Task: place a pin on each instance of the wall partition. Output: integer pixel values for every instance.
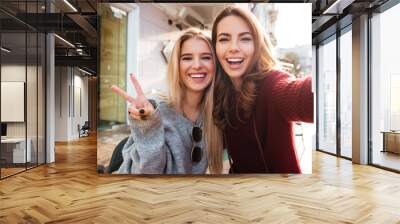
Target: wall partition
(22, 88)
(13, 145)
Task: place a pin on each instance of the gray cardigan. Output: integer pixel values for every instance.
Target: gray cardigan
(162, 144)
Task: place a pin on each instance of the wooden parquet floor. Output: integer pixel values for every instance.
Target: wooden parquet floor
(71, 191)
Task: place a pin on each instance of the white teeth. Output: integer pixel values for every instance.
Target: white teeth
(234, 60)
(198, 75)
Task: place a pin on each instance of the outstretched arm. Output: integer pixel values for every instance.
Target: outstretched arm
(294, 98)
(145, 150)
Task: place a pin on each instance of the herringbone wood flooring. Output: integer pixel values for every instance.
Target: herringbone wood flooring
(71, 191)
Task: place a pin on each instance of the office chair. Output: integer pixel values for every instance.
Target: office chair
(84, 130)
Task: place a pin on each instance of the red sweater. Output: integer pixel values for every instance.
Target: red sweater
(281, 99)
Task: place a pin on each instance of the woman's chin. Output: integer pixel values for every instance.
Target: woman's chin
(197, 88)
(235, 74)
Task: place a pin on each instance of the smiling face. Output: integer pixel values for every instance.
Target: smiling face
(196, 64)
(234, 47)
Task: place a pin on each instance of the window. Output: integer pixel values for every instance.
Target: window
(327, 96)
(346, 94)
(385, 89)
(112, 67)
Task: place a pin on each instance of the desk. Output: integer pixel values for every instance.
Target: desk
(391, 141)
(13, 150)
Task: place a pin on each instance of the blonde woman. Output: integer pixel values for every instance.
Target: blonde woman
(176, 134)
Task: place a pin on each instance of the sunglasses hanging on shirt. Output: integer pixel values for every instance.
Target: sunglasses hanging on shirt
(197, 153)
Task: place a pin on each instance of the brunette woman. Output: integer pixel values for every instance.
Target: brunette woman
(255, 102)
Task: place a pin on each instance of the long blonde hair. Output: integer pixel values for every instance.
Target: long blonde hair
(263, 61)
(212, 134)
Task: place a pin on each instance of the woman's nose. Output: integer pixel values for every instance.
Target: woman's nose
(196, 63)
(233, 47)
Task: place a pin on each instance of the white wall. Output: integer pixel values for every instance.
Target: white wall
(12, 101)
(69, 85)
(79, 117)
(61, 103)
(154, 30)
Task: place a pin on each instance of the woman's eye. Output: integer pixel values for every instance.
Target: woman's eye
(223, 39)
(206, 58)
(246, 39)
(186, 58)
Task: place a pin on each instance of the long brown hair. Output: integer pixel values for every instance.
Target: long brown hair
(227, 98)
(177, 90)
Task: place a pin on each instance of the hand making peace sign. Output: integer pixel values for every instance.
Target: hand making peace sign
(140, 107)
